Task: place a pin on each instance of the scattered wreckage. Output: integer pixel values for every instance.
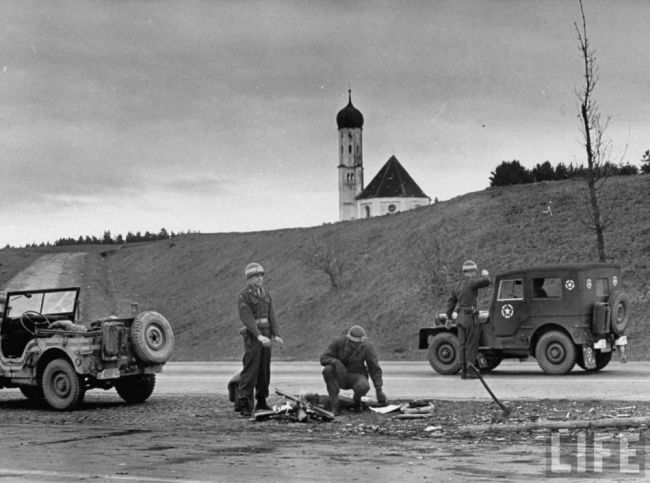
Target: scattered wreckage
(315, 407)
(561, 314)
(53, 359)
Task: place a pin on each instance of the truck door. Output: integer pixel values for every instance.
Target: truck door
(510, 308)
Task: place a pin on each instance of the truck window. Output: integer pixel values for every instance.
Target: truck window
(511, 290)
(601, 286)
(550, 288)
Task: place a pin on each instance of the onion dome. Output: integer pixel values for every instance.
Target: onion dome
(349, 116)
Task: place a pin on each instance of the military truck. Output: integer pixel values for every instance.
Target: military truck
(561, 315)
(53, 359)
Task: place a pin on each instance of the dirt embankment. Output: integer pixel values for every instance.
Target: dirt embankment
(88, 270)
(50, 270)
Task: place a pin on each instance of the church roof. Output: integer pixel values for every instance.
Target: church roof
(392, 181)
(349, 116)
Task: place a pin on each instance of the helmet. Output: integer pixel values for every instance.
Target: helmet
(253, 269)
(357, 334)
(469, 266)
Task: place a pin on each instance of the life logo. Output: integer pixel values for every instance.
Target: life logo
(507, 311)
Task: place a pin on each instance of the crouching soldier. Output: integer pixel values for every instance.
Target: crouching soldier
(347, 362)
(260, 328)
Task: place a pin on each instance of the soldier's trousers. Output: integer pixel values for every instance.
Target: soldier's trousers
(468, 339)
(256, 374)
(334, 382)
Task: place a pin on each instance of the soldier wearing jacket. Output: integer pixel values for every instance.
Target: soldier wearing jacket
(464, 297)
(347, 362)
(260, 328)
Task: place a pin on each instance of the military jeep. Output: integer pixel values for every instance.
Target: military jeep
(561, 315)
(54, 360)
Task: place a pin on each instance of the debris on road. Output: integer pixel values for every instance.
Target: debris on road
(575, 424)
(295, 409)
(417, 407)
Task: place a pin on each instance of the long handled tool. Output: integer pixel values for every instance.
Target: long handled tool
(506, 411)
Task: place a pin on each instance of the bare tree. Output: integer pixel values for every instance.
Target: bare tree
(597, 148)
(434, 256)
(322, 256)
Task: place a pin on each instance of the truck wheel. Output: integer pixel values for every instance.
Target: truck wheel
(619, 305)
(136, 389)
(493, 360)
(555, 352)
(152, 337)
(602, 359)
(33, 393)
(444, 352)
(62, 389)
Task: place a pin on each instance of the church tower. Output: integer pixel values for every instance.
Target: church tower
(350, 125)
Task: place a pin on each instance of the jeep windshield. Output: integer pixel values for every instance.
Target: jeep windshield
(57, 303)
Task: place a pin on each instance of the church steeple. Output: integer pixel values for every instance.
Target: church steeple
(350, 126)
(349, 116)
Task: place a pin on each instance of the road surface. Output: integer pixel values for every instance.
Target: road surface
(416, 379)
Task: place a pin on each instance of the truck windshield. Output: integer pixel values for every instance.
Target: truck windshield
(46, 303)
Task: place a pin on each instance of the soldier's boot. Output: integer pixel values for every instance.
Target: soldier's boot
(470, 373)
(261, 405)
(336, 405)
(357, 405)
(245, 406)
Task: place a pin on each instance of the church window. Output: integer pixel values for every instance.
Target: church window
(350, 148)
(392, 208)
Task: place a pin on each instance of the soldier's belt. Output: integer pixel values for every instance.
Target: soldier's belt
(263, 322)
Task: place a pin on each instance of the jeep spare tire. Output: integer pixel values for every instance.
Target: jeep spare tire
(619, 306)
(152, 337)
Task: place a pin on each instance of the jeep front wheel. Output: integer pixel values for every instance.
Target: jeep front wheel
(136, 389)
(444, 353)
(555, 352)
(152, 337)
(62, 389)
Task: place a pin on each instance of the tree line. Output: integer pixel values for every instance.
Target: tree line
(513, 172)
(108, 239)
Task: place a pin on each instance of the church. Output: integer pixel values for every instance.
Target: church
(390, 191)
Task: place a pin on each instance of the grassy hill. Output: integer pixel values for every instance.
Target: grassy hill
(387, 264)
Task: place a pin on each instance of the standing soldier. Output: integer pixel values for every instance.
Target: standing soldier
(464, 296)
(260, 328)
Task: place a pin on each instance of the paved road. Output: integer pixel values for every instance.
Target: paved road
(415, 379)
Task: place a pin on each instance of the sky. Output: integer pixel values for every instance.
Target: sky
(220, 116)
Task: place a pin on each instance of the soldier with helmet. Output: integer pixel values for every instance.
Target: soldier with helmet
(260, 328)
(347, 362)
(464, 296)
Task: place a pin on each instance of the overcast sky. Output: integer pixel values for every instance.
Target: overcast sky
(219, 116)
